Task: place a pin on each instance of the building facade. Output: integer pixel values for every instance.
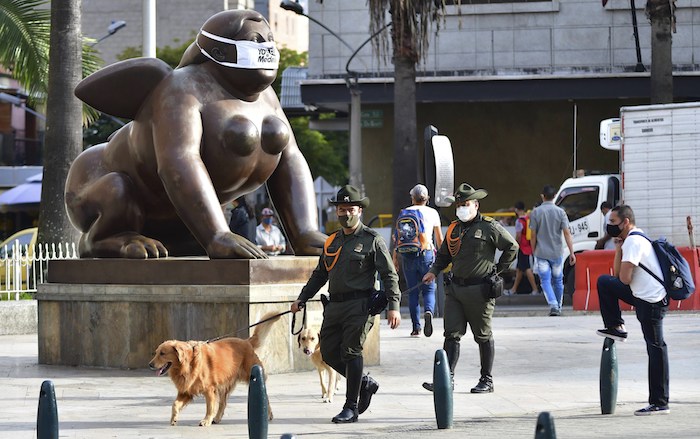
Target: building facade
(520, 88)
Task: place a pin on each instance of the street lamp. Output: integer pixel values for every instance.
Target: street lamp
(351, 79)
(18, 102)
(112, 29)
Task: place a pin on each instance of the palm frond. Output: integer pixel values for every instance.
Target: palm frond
(24, 49)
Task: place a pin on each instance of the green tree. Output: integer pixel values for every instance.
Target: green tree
(321, 155)
(44, 51)
(411, 22)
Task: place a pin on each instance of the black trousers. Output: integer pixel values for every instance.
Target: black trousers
(651, 316)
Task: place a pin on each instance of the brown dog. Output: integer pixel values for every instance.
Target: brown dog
(211, 369)
(309, 343)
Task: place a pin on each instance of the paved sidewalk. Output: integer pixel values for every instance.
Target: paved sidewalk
(542, 364)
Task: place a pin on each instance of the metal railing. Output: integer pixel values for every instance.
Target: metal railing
(23, 268)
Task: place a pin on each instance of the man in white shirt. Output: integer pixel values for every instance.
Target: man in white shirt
(633, 285)
(414, 265)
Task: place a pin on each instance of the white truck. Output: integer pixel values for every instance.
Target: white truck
(659, 176)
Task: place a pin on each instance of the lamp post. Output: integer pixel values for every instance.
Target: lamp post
(351, 79)
(18, 102)
(112, 29)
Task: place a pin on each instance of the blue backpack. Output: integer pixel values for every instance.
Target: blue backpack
(678, 278)
(409, 232)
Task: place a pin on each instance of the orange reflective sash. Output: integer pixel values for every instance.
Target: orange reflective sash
(453, 243)
(333, 255)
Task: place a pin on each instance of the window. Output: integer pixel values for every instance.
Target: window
(578, 202)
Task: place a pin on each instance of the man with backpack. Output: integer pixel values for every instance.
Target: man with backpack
(414, 253)
(632, 284)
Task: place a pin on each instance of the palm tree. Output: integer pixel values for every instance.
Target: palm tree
(64, 136)
(411, 21)
(662, 16)
(43, 48)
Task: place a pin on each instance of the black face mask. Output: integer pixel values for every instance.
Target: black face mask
(613, 230)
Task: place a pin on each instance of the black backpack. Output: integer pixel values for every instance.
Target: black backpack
(678, 278)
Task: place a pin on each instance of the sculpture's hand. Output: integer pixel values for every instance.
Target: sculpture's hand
(228, 245)
(310, 243)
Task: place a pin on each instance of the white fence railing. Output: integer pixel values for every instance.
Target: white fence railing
(23, 268)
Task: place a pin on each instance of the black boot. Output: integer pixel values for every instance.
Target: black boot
(451, 348)
(486, 352)
(353, 375)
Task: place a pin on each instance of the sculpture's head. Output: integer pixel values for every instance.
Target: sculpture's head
(241, 45)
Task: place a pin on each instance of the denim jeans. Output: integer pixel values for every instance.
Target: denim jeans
(414, 266)
(651, 316)
(551, 274)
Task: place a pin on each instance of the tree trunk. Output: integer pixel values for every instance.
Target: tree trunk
(405, 167)
(661, 62)
(63, 141)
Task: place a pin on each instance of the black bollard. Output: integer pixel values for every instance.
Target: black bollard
(545, 427)
(608, 377)
(257, 404)
(288, 436)
(47, 414)
(442, 390)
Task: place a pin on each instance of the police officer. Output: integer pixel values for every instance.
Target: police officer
(470, 245)
(351, 258)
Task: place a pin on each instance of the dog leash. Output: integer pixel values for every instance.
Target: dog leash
(294, 318)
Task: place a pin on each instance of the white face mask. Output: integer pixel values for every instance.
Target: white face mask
(466, 213)
(250, 55)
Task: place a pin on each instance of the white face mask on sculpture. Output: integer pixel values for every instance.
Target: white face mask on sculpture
(250, 55)
(466, 213)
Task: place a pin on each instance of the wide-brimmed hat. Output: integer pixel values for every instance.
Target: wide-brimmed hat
(465, 192)
(350, 195)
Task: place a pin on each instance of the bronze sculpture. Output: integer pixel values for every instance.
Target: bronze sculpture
(202, 135)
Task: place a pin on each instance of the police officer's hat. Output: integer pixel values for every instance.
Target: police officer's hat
(350, 195)
(465, 192)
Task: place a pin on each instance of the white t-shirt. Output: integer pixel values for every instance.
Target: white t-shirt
(610, 243)
(431, 219)
(635, 250)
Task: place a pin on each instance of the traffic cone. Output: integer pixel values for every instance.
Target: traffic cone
(442, 390)
(47, 414)
(257, 404)
(545, 427)
(608, 377)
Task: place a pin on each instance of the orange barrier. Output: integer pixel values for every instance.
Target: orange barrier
(594, 263)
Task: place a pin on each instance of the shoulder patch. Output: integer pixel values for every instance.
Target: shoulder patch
(487, 218)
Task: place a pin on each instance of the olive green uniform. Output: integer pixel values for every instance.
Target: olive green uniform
(351, 276)
(466, 300)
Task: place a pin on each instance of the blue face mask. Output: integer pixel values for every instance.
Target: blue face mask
(267, 220)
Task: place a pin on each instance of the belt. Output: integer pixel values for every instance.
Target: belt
(351, 295)
(462, 282)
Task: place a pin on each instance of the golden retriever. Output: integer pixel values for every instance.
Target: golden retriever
(211, 369)
(309, 343)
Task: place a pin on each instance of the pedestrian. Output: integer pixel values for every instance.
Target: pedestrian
(268, 236)
(633, 285)
(522, 225)
(350, 261)
(415, 261)
(470, 245)
(242, 219)
(606, 242)
(548, 222)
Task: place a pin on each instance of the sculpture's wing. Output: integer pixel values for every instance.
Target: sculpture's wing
(121, 88)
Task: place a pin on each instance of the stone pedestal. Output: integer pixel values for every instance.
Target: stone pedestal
(115, 312)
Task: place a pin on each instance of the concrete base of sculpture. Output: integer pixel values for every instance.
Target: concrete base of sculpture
(115, 312)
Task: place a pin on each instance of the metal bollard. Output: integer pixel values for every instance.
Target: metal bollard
(47, 414)
(608, 377)
(442, 390)
(257, 404)
(545, 427)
